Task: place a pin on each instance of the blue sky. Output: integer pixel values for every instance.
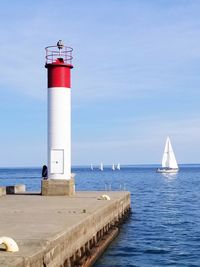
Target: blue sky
(136, 79)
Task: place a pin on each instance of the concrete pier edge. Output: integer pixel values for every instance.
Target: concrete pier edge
(61, 231)
(104, 242)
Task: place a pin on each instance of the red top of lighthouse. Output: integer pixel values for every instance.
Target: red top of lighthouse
(59, 62)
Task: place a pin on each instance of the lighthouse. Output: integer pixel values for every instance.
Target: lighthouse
(59, 65)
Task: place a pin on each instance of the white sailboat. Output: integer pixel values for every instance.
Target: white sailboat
(91, 167)
(101, 167)
(113, 167)
(118, 167)
(169, 163)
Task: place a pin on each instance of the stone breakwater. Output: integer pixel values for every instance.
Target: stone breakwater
(59, 230)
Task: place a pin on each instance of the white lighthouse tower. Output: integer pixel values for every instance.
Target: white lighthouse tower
(59, 65)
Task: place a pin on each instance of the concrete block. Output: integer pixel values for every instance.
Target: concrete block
(2, 191)
(58, 187)
(14, 189)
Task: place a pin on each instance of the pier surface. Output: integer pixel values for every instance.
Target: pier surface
(56, 231)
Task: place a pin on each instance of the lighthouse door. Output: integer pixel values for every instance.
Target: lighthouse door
(57, 161)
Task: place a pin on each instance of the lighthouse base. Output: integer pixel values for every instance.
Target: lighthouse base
(58, 187)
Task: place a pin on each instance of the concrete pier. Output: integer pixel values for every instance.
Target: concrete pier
(60, 231)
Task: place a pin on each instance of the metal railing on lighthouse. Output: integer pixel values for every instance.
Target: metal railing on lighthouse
(59, 51)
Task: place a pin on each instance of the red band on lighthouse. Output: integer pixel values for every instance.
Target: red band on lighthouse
(59, 74)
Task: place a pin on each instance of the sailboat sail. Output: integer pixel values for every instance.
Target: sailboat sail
(101, 167)
(91, 167)
(169, 160)
(113, 167)
(118, 166)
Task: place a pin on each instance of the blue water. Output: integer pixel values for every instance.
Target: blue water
(164, 228)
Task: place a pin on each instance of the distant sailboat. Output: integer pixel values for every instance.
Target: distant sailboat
(118, 167)
(91, 167)
(169, 164)
(113, 167)
(101, 167)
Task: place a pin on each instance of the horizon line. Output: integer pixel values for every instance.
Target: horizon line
(88, 165)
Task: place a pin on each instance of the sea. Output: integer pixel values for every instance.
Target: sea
(164, 226)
